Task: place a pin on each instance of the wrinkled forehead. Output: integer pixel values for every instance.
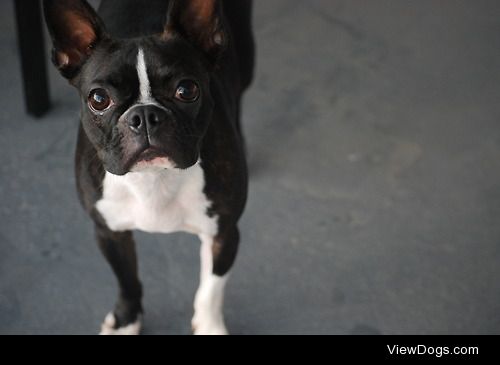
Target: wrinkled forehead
(121, 63)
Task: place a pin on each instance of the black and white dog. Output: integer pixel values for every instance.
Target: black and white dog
(159, 147)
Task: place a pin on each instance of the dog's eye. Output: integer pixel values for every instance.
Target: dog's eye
(99, 100)
(187, 91)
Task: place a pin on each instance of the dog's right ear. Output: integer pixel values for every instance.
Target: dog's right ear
(75, 29)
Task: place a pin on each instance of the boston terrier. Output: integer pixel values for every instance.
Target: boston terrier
(159, 147)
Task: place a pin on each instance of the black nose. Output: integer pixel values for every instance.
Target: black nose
(146, 117)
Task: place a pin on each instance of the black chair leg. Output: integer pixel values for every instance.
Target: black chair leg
(32, 49)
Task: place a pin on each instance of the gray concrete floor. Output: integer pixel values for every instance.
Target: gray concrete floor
(374, 139)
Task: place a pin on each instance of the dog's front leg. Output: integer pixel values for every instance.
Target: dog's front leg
(217, 257)
(119, 250)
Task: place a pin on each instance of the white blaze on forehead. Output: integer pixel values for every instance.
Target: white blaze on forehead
(145, 95)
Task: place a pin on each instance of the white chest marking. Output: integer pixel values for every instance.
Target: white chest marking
(157, 201)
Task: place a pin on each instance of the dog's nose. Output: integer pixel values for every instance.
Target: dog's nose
(146, 117)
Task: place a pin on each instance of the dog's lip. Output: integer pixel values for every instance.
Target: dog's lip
(145, 155)
(150, 154)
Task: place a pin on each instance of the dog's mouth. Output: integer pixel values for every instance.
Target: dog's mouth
(150, 154)
(151, 157)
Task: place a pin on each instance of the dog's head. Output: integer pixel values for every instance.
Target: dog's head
(145, 101)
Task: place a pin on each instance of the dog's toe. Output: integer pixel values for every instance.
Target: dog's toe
(208, 326)
(108, 327)
(211, 330)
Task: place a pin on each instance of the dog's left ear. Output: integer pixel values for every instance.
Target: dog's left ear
(75, 29)
(200, 22)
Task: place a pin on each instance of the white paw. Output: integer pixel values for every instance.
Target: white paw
(107, 328)
(206, 325)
